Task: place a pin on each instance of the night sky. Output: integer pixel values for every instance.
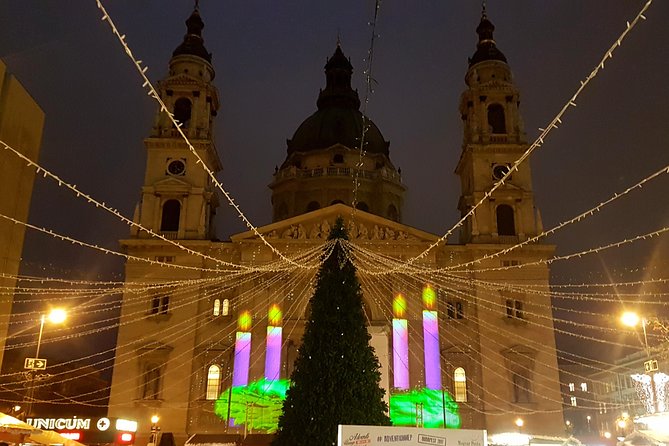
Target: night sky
(269, 59)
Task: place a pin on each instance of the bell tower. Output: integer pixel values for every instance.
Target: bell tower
(494, 137)
(178, 197)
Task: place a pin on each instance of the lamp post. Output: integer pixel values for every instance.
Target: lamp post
(519, 423)
(154, 430)
(443, 405)
(621, 424)
(230, 363)
(56, 316)
(632, 319)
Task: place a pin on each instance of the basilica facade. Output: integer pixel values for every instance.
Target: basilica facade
(210, 329)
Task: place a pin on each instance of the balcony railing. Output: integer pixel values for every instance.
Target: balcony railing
(294, 172)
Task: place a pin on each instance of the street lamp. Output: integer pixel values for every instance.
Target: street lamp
(632, 319)
(55, 316)
(622, 424)
(154, 429)
(519, 423)
(568, 427)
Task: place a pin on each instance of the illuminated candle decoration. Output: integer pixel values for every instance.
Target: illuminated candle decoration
(399, 306)
(431, 340)
(400, 344)
(245, 321)
(274, 341)
(429, 298)
(240, 375)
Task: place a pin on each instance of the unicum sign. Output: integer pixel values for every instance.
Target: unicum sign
(60, 423)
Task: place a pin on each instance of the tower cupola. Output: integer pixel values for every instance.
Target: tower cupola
(486, 49)
(193, 43)
(338, 91)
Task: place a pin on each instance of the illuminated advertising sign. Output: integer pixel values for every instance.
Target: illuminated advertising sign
(408, 436)
(90, 430)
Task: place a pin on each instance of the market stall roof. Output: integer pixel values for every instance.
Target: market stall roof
(214, 440)
(645, 438)
(519, 439)
(229, 440)
(34, 436)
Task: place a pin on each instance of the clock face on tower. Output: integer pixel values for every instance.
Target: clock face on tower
(176, 167)
(499, 170)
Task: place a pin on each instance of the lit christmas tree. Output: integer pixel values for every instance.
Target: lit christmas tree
(336, 376)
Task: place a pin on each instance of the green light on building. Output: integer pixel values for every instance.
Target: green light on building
(257, 405)
(429, 405)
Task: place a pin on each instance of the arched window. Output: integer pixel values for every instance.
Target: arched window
(338, 158)
(336, 202)
(460, 385)
(182, 111)
(392, 213)
(362, 206)
(213, 382)
(505, 221)
(171, 214)
(221, 307)
(312, 206)
(496, 120)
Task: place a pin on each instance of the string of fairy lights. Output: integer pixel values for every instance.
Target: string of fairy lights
(541, 138)
(378, 268)
(178, 126)
(365, 121)
(186, 330)
(580, 217)
(293, 275)
(370, 293)
(473, 361)
(183, 329)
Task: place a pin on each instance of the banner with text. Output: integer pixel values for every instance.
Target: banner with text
(408, 436)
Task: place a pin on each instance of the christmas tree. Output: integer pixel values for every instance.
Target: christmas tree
(336, 376)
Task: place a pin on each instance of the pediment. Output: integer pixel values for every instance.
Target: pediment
(171, 183)
(519, 350)
(155, 346)
(182, 79)
(315, 225)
